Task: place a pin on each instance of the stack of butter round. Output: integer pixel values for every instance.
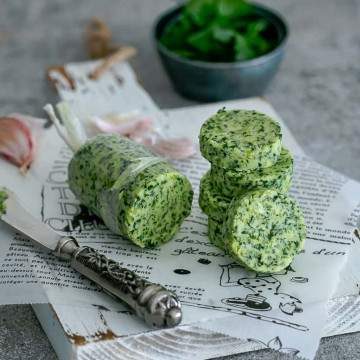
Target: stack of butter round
(244, 193)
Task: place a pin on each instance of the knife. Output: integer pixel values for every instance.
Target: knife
(159, 307)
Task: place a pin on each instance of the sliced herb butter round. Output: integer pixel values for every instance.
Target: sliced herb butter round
(138, 196)
(240, 140)
(215, 233)
(277, 176)
(211, 201)
(264, 230)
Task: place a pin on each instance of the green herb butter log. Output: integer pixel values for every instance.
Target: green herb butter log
(277, 176)
(211, 201)
(138, 195)
(264, 230)
(240, 140)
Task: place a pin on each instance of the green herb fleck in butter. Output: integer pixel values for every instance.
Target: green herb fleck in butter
(3, 197)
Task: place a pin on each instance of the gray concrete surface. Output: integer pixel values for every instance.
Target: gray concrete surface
(317, 93)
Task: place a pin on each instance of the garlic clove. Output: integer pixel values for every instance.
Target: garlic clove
(174, 148)
(126, 125)
(17, 140)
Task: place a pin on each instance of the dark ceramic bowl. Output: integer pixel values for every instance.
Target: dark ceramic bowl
(211, 81)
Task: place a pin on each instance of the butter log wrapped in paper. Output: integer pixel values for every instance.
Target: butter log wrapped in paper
(138, 195)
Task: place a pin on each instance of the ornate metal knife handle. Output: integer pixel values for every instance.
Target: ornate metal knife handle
(158, 306)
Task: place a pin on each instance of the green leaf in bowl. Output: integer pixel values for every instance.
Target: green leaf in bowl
(176, 32)
(242, 49)
(223, 35)
(233, 8)
(201, 12)
(202, 40)
(255, 38)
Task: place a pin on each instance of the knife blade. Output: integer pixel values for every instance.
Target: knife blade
(20, 219)
(152, 302)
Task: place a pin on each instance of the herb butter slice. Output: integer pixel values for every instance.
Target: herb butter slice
(211, 201)
(240, 140)
(264, 230)
(215, 233)
(277, 176)
(136, 194)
